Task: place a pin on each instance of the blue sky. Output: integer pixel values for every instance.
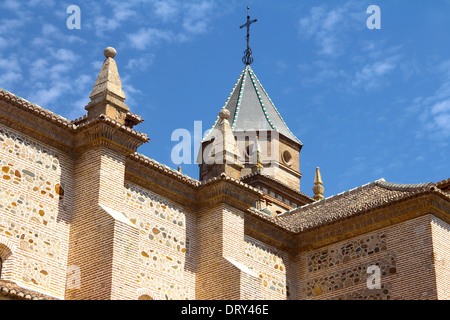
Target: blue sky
(367, 104)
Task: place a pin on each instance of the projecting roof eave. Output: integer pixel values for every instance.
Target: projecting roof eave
(443, 184)
(16, 292)
(353, 202)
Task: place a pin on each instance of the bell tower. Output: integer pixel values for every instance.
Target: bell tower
(262, 152)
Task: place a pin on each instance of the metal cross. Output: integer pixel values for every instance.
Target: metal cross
(248, 59)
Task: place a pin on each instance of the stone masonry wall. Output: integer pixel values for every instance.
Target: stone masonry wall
(270, 266)
(165, 259)
(35, 206)
(403, 253)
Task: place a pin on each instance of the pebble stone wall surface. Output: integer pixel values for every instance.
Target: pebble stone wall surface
(31, 198)
(163, 244)
(269, 264)
(352, 259)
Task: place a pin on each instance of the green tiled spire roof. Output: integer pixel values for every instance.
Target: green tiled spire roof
(252, 109)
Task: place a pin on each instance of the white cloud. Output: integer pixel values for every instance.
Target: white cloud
(140, 63)
(41, 3)
(328, 26)
(166, 9)
(441, 107)
(9, 79)
(440, 117)
(52, 35)
(149, 37)
(11, 5)
(11, 72)
(369, 76)
(97, 65)
(44, 97)
(197, 16)
(130, 91)
(64, 55)
(434, 113)
(121, 12)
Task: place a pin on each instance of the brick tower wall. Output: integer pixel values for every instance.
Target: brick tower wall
(91, 243)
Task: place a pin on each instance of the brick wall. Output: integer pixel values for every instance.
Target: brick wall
(441, 254)
(63, 218)
(403, 252)
(165, 266)
(35, 210)
(91, 239)
(270, 265)
(222, 273)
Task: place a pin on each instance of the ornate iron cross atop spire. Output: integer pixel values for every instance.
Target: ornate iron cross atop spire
(248, 59)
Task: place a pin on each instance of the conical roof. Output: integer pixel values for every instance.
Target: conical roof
(251, 108)
(108, 80)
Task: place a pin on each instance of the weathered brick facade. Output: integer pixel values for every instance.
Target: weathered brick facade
(84, 216)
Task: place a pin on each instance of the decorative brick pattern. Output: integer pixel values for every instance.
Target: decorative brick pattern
(348, 277)
(154, 204)
(32, 212)
(346, 252)
(384, 293)
(31, 240)
(269, 266)
(167, 290)
(35, 274)
(161, 262)
(20, 147)
(32, 181)
(163, 243)
(162, 235)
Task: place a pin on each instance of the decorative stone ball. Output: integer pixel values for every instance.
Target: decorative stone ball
(110, 52)
(224, 114)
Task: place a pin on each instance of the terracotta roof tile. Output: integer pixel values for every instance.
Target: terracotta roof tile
(11, 289)
(349, 203)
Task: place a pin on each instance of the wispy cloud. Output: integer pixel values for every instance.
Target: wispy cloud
(121, 12)
(197, 16)
(372, 75)
(434, 111)
(192, 19)
(11, 71)
(54, 73)
(327, 26)
(345, 58)
(145, 38)
(167, 10)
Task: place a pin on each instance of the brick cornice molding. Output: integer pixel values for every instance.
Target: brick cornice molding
(151, 179)
(56, 136)
(225, 190)
(269, 234)
(101, 133)
(58, 132)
